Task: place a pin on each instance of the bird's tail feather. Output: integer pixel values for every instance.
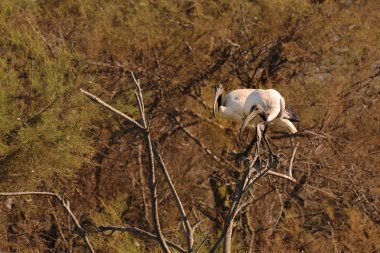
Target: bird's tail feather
(289, 125)
(291, 114)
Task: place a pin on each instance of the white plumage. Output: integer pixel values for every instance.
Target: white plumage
(231, 106)
(254, 106)
(268, 107)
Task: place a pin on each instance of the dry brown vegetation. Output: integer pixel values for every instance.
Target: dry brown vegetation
(323, 56)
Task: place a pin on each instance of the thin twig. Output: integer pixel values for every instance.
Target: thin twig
(202, 243)
(189, 231)
(139, 232)
(251, 249)
(192, 136)
(292, 159)
(151, 168)
(200, 101)
(35, 29)
(80, 231)
(203, 118)
(142, 184)
(273, 173)
(335, 246)
(282, 208)
(228, 240)
(247, 181)
(59, 227)
(144, 130)
(98, 100)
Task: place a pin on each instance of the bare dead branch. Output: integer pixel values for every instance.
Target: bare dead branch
(144, 130)
(192, 136)
(174, 129)
(139, 232)
(276, 174)
(142, 184)
(333, 239)
(225, 53)
(282, 207)
(98, 100)
(59, 227)
(11, 135)
(203, 118)
(292, 159)
(36, 30)
(80, 231)
(189, 231)
(201, 102)
(251, 247)
(202, 243)
(228, 240)
(151, 168)
(370, 209)
(252, 174)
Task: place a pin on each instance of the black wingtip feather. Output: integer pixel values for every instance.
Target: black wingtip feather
(293, 117)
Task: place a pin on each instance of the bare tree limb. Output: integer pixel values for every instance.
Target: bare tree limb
(202, 243)
(142, 184)
(80, 231)
(151, 168)
(203, 118)
(228, 240)
(189, 231)
(292, 160)
(98, 100)
(273, 173)
(139, 232)
(252, 174)
(204, 148)
(333, 239)
(144, 130)
(35, 29)
(59, 227)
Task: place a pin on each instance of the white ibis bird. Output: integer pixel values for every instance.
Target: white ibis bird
(270, 106)
(256, 108)
(267, 107)
(231, 106)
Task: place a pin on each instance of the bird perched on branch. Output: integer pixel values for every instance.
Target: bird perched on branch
(270, 106)
(256, 108)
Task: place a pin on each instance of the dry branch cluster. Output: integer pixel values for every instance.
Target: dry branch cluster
(321, 55)
(254, 170)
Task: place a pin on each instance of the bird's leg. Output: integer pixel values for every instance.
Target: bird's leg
(255, 142)
(266, 139)
(258, 139)
(271, 154)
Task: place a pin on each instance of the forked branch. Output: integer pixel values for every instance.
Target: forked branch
(252, 174)
(148, 145)
(153, 154)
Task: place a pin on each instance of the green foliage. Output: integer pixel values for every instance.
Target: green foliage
(44, 118)
(117, 242)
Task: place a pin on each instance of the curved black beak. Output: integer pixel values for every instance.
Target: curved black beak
(246, 121)
(217, 98)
